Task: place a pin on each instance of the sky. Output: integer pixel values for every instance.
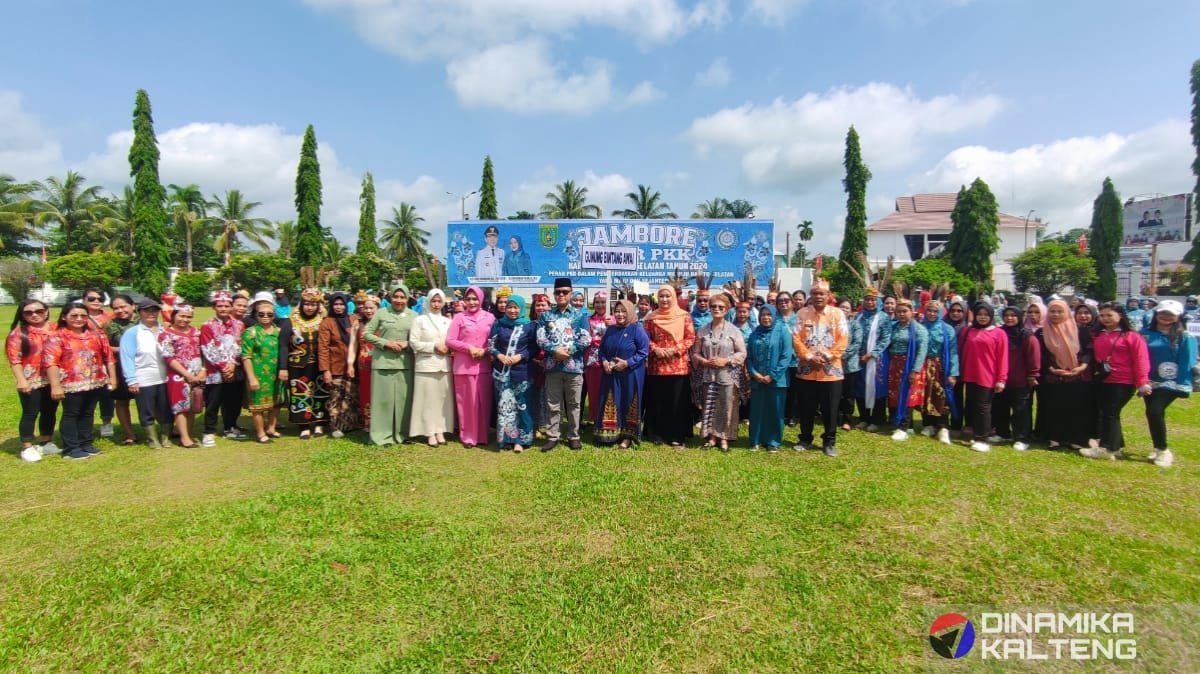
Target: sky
(695, 98)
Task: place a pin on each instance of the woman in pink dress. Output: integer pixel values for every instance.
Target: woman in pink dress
(467, 339)
(180, 344)
(593, 373)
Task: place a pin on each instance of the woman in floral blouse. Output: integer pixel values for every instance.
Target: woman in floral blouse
(185, 379)
(31, 328)
(79, 365)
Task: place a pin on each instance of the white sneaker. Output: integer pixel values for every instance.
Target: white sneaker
(900, 435)
(235, 434)
(871, 428)
(1097, 453)
(106, 430)
(928, 431)
(209, 440)
(336, 434)
(995, 439)
(978, 446)
(1020, 446)
(50, 448)
(31, 454)
(1153, 455)
(943, 436)
(1164, 459)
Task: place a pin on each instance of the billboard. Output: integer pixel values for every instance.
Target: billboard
(1158, 220)
(532, 253)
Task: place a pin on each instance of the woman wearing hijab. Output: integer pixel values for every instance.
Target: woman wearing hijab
(1122, 369)
(298, 344)
(1035, 315)
(668, 393)
(541, 303)
(1087, 318)
(872, 385)
(579, 302)
(941, 374)
(958, 317)
(1011, 412)
(467, 338)
(622, 353)
(337, 344)
(768, 355)
(598, 320)
(907, 350)
(718, 354)
(787, 316)
(1065, 391)
(391, 369)
(511, 344)
(984, 356)
(516, 261)
(433, 387)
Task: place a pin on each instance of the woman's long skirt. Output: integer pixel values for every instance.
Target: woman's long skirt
(1069, 412)
(766, 415)
(364, 390)
(473, 400)
(592, 377)
(307, 397)
(343, 405)
(620, 410)
(514, 423)
(669, 409)
(433, 404)
(718, 411)
(390, 406)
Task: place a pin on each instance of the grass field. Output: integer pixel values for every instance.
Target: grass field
(331, 555)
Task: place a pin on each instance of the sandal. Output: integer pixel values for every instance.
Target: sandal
(305, 434)
(275, 434)
(318, 431)
(264, 439)
(724, 445)
(190, 445)
(624, 444)
(128, 441)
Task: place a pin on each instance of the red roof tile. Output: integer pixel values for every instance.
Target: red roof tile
(926, 212)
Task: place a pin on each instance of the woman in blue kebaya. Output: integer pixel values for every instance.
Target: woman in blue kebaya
(768, 356)
(512, 343)
(517, 262)
(941, 374)
(622, 353)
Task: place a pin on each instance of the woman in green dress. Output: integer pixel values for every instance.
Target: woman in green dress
(391, 369)
(260, 357)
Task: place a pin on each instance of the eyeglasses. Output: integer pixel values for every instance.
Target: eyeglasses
(562, 292)
(93, 299)
(77, 317)
(32, 312)
(262, 315)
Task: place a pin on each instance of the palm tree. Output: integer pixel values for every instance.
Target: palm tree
(402, 237)
(72, 207)
(805, 230)
(646, 205)
(332, 252)
(115, 232)
(712, 210)
(284, 233)
(233, 215)
(16, 216)
(568, 202)
(740, 209)
(188, 211)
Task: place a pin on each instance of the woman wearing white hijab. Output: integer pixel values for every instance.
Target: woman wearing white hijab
(433, 391)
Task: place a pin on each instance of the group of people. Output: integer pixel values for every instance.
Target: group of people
(655, 368)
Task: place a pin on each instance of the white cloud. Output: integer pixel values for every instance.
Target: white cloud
(775, 11)
(1061, 179)
(716, 75)
(606, 191)
(28, 150)
(521, 77)
(799, 144)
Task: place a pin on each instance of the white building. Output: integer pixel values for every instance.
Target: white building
(921, 224)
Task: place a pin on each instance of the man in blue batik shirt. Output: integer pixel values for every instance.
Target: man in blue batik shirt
(563, 334)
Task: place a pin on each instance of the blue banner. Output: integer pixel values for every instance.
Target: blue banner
(532, 253)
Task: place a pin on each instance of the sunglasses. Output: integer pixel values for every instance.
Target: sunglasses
(93, 299)
(562, 292)
(32, 312)
(265, 315)
(77, 317)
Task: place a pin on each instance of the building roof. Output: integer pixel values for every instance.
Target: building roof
(931, 212)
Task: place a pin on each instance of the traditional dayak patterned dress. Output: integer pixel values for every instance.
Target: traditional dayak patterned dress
(514, 422)
(184, 348)
(298, 355)
(716, 389)
(260, 348)
(620, 408)
(908, 347)
(362, 372)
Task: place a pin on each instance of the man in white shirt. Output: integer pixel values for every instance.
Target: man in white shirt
(146, 374)
(489, 261)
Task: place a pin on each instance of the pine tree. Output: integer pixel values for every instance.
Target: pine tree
(854, 240)
(309, 235)
(1104, 240)
(1196, 123)
(150, 242)
(367, 238)
(975, 235)
(487, 193)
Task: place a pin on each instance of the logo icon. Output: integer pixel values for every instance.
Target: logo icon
(726, 239)
(548, 235)
(952, 635)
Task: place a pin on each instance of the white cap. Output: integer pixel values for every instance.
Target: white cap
(1170, 306)
(263, 296)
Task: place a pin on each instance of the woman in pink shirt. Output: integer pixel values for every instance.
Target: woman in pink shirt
(1120, 366)
(467, 339)
(984, 364)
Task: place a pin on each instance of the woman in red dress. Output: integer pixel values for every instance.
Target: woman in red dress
(185, 371)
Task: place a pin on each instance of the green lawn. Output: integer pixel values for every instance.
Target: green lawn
(331, 555)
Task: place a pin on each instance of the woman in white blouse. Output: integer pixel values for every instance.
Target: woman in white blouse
(433, 393)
